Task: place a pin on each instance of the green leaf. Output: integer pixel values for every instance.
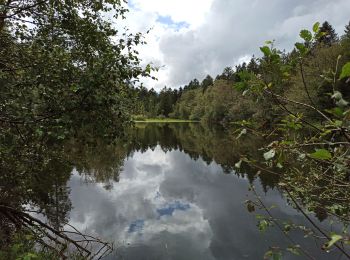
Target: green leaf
(273, 254)
(245, 92)
(263, 224)
(345, 73)
(301, 47)
(30, 256)
(321, 154)
(39, 132)
(238, 164)
(306, 35)
(250, 206)
(337, 95)
(338, 123)
(268, 255)
(266, 50)
(270, 154)
(337, 112)
(287, 228)
(342, 103)
(334, 239)
(74, 88)
(148, 68)
(294, 249)
(316, 27)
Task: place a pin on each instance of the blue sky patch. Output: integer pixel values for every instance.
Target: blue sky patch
(131, 5)
(136, 226)
(168, 21)
(169, 209)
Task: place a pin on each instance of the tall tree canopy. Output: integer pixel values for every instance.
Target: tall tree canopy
(63, 63)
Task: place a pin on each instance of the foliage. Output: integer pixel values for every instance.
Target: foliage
(152, 104)
(63, 63)
(310, 144)
(138, 117)
(218, 104)
(347, 31)
(328, 35)
(23, 248)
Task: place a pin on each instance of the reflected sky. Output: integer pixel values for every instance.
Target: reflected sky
(169, 206)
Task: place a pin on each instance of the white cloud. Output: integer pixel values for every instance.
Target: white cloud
(136, 198)
(221, 33)
(213, 222)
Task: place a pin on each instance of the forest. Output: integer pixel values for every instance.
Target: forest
(220, 100)
(70, 78)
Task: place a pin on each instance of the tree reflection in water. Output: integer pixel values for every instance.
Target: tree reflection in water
(38, 178)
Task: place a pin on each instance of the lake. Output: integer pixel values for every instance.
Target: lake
(171, 191)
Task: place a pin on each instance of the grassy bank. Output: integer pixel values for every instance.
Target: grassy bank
(164, 120)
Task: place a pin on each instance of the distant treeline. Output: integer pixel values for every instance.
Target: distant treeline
(220, 100)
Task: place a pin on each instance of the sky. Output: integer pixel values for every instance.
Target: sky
(192, 38)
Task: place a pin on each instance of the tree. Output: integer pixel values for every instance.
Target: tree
(298, 132)
(241, 67)
(62, 65)
(253, 66)
(330, 36)
(167, 99)
(227, 74)
(65, 71)
(194, 84)
(208, 81)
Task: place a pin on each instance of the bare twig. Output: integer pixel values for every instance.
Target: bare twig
(304, 83)
(35, 225)
(279, 226)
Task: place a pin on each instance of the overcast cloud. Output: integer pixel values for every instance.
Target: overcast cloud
(192, 38)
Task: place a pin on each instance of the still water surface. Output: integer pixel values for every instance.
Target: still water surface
(171, 192)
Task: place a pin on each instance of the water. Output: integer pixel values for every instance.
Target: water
(172, 192)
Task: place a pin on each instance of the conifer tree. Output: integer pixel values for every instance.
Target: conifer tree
(347, 31)
(330, 36)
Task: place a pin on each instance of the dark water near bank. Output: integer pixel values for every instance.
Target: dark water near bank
(172, 192)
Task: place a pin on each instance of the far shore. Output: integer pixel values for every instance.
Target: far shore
(165, 120)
